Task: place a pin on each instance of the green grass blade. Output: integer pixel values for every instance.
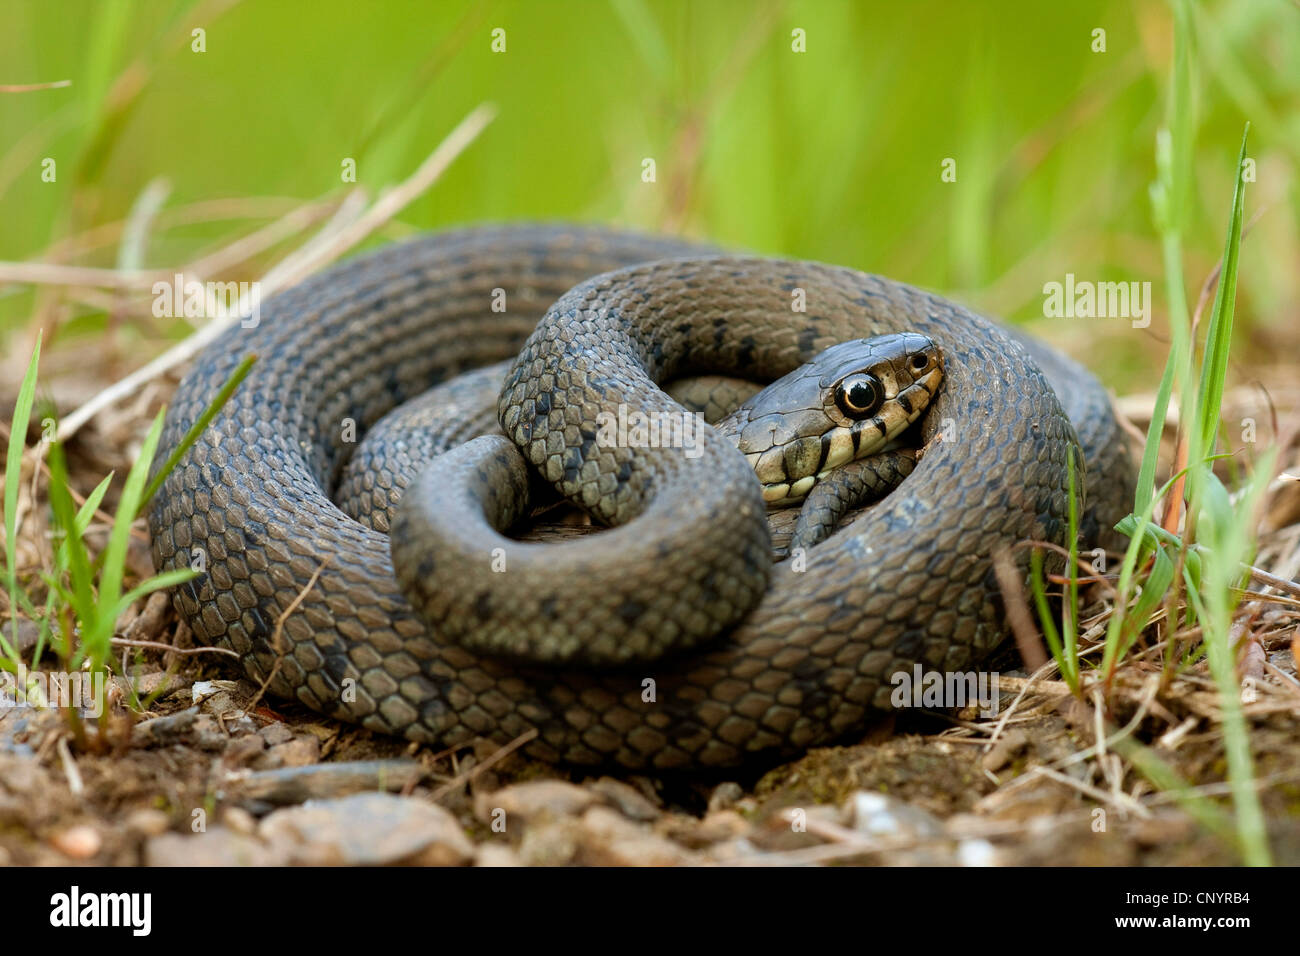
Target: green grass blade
(13, 478)
(1151, 450)
(119, 539)
(1229, 534)
(197, 429)
(86, 513)
(1069, 613)
(81, 595)
(1218, 340)
(158, 582)
(1045, 617)
(644, 33)
(1180, 118)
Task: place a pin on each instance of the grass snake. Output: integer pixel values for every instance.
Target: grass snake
(801, 656)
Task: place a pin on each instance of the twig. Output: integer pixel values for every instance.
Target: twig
(177, 354)
(330, 244)
(200, 212)
(135, 235)
(1047, 667)
(496, 758)
(70, 770)
(278, 633)
(1153, 685)
(258, 241)
(158, 645)
(52, 273)
(1017, 610)
(1121, 801)
(33, 87)
(1261, 576)
(390, 203)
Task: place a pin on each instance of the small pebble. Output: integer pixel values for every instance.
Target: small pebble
(218, 846)
(880, 815)
(523, 801)
(495, 854)
(148, 821)
(368, 829)
(290, 785)
(276, 733)
(79, 842)
(724, 796)
(239, 820)
(977, 853)
(626, 799)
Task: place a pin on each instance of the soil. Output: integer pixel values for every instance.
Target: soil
(190, 765)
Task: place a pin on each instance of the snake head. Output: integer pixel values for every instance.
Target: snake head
(848, 402)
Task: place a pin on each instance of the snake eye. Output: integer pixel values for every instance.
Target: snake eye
(859, 395)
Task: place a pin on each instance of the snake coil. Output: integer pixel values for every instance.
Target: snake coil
(909, 582)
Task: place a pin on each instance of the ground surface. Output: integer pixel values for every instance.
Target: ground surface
(201, 771)
(218, 783)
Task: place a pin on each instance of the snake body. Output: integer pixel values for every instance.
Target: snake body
(909, 582)
(690, 554)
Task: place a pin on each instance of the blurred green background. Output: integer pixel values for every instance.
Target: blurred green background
(833, 154)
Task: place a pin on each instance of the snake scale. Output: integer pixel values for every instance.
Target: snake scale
(909, 581)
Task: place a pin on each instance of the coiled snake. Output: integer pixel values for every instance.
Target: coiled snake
(908, 581)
